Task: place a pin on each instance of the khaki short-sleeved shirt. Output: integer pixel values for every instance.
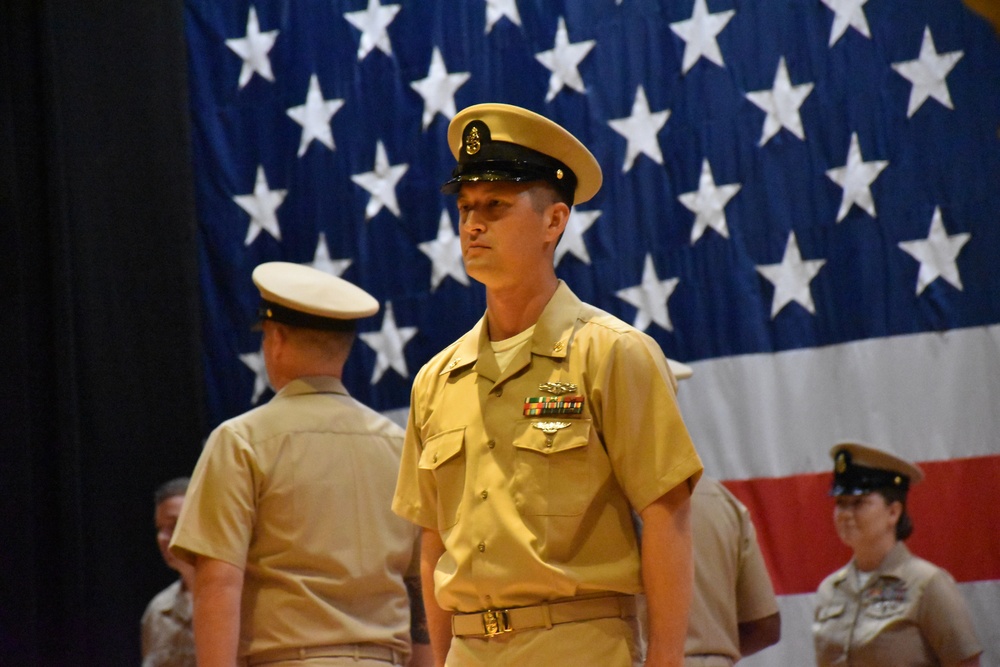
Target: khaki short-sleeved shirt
(533, 497)
(731, 582)
(298, 492)
(909, 614)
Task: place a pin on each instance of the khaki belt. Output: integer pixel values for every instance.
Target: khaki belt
(493, 622)
(356, 651)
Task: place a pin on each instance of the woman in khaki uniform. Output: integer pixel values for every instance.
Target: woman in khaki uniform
(886, 608)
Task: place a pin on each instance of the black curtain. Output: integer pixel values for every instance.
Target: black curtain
(100, 380)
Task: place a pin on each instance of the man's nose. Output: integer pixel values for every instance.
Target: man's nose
(472, 221)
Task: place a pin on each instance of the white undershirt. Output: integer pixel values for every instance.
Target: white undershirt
(863, 577)
(505, 350)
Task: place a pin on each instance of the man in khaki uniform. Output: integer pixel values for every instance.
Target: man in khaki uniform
(298, 559)
(886, 606)
(533, 438)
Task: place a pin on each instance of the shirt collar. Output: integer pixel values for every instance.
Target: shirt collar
(891, 566)
(552, 337)
(316, 384)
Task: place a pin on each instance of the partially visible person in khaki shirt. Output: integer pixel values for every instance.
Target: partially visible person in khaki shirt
(167, 637)
(734, 612)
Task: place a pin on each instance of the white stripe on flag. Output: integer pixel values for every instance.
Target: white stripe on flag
(926, 397)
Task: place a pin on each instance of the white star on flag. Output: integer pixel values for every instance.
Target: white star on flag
(572, 238)
(253, 50)
(791, 278)
(937, 254)
(322, 261)
(255, 362)
(497, 9)
(650, 298)
(847, 13)
(381, 183)
(699, 34)
(445, 253)
(373, 23)
(562, 60)
(314, 117)
(388, 344)
(640, 130)
(438, 89)
(709, 203)
(782, 104)
(856, 178)
(928, 74)
(261, 205)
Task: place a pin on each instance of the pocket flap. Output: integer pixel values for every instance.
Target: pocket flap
(551, 436)
(829, 611)
(441, 448)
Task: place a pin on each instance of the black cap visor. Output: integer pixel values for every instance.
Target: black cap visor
(503, 161)
(858, 480)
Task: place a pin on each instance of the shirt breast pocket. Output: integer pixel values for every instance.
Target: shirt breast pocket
(552, 468)
(443, 458)
(885, 610)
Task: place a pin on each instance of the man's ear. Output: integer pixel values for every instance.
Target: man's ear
(281, 333)
(558, 219)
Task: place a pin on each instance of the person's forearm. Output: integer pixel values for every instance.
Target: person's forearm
(667, 575)
(438, 619)
(969, 662)
(218, 587)
(757, 635)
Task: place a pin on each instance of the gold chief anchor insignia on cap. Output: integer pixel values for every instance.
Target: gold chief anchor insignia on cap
(472, 144)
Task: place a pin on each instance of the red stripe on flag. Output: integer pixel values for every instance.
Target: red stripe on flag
(955, 513)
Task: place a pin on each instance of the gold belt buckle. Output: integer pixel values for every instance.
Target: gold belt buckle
(496, 622)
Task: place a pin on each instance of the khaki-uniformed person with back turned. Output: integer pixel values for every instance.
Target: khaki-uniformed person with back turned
(533, 437)
(734, 612)
(887, 607)
(298, 557)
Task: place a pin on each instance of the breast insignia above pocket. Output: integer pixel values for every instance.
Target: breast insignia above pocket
(549, 428)
(557, 388)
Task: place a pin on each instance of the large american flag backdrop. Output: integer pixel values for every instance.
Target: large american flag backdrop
(801, 200)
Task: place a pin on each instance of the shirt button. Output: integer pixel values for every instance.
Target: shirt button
(482, 547)
(498, 392)
(491, 444)
(484, 494)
